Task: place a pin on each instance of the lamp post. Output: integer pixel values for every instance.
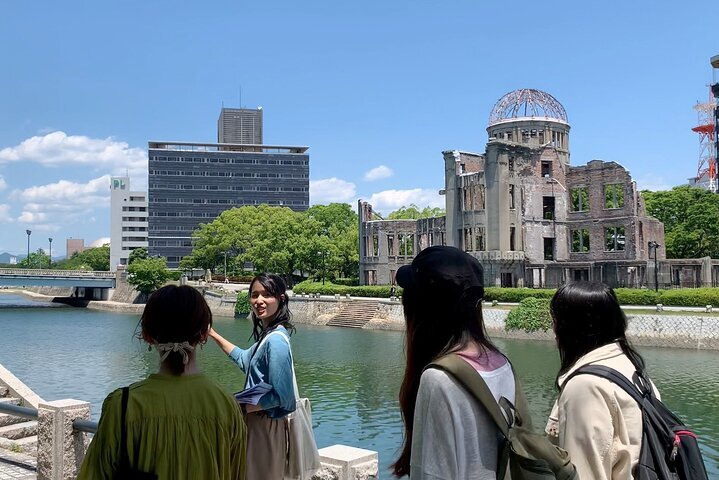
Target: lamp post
(653, 246)
(322, 253)
(49, 257)
(28, 246)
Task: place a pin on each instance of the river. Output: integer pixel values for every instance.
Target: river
(352, 376)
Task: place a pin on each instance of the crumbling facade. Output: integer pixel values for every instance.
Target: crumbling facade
(528, 216)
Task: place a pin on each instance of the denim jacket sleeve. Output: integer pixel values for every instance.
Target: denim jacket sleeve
(277, 361)
(242, 357)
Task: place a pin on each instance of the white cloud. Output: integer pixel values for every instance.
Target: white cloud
(3, 183)
(64, 194)
(5, 213)
(48, 207)
(329, 190)
(390, 200)
(378, 173)
(100, 242)
(32, 217)
(59, 149)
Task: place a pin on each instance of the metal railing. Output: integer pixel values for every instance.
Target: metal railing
(56, 273)
(79, 425)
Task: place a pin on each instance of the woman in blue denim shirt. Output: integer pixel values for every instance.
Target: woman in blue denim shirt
(268, 360)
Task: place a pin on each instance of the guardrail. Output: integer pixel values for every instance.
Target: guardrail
(78, 424)
(56, 273)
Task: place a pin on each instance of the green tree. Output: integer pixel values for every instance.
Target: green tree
(412, 212)
(137, 254)
(147, 275)
(36, 260)
(689, 214)
(97, 259)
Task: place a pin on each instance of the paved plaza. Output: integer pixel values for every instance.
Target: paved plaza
(17, 466)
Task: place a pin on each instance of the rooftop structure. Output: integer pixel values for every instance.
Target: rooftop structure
(240, 125)
(527, 103)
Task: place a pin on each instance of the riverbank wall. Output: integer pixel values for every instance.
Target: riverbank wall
(694, 331)
(667, 330)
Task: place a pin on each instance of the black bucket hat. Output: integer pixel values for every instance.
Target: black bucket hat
(443, 269)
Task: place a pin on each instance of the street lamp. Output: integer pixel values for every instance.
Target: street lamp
(28, 247)
(49, 260)
(653, 246)
(323, 266)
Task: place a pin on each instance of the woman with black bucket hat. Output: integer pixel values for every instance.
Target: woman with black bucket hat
(447, 434)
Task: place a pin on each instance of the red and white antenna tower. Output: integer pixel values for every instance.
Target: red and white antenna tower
(707, 169)
(708, 130)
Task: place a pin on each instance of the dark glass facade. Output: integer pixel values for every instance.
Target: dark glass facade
(191, 184)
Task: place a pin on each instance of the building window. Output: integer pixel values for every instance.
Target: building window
(546, 169)
(510, 136)
(614, 238)
(390, 245)
(580, 199)
(467, 239)
(549, 248)
(512, 241)
(370, 277)
(613, 195)
(580, 240)
(510, 163)
(511, 197)
(392, 274)
(375, 245)
(406, 244)
(548, 208)
(479, 239)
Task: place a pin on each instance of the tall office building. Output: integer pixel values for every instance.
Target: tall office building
(128, 221)
(192, 183)
(240, 125)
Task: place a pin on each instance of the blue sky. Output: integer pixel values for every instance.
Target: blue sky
(376, 89)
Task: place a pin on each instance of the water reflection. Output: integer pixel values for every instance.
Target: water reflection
(351, 376)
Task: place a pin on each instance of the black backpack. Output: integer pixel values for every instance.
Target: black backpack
(669, 451)
(523, 454)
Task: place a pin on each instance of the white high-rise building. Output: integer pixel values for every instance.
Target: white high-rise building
(128, 221)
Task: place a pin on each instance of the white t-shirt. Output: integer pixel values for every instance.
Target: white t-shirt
(453, 437)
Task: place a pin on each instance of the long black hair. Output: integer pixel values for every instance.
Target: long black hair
(586, 316)
(275, 286)
(438, 322)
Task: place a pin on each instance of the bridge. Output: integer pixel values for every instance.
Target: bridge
(17, 277)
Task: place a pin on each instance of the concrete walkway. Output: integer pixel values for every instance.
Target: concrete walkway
(17, 466)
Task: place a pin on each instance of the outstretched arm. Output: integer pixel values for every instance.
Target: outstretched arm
(221, 341)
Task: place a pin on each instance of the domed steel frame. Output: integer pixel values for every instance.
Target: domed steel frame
(527, 103)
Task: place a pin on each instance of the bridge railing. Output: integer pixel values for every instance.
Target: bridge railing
(26, 272)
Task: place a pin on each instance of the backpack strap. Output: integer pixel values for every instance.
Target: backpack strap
(474, 384)
(613, 376)
(124, 457)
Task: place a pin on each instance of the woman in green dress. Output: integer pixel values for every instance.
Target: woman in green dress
(179, 424)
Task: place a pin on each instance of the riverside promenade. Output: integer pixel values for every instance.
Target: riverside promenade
(17, 466)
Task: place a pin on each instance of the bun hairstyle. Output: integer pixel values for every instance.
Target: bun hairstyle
(176, 314)
(275, 286)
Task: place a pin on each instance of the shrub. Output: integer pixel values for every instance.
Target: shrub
(349, 282)
(174, 275)
(515, 295)
(242, 305)
(636, 296)
(690, 297)
(530, 315)
(380, 291)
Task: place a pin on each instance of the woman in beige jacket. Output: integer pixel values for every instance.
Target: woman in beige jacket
(598, 423)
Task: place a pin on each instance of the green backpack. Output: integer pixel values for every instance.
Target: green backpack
(524, 454)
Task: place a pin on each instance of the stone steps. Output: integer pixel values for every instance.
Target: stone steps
(26, 445)
(19, 430)
(17, 434)
(355, 314)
